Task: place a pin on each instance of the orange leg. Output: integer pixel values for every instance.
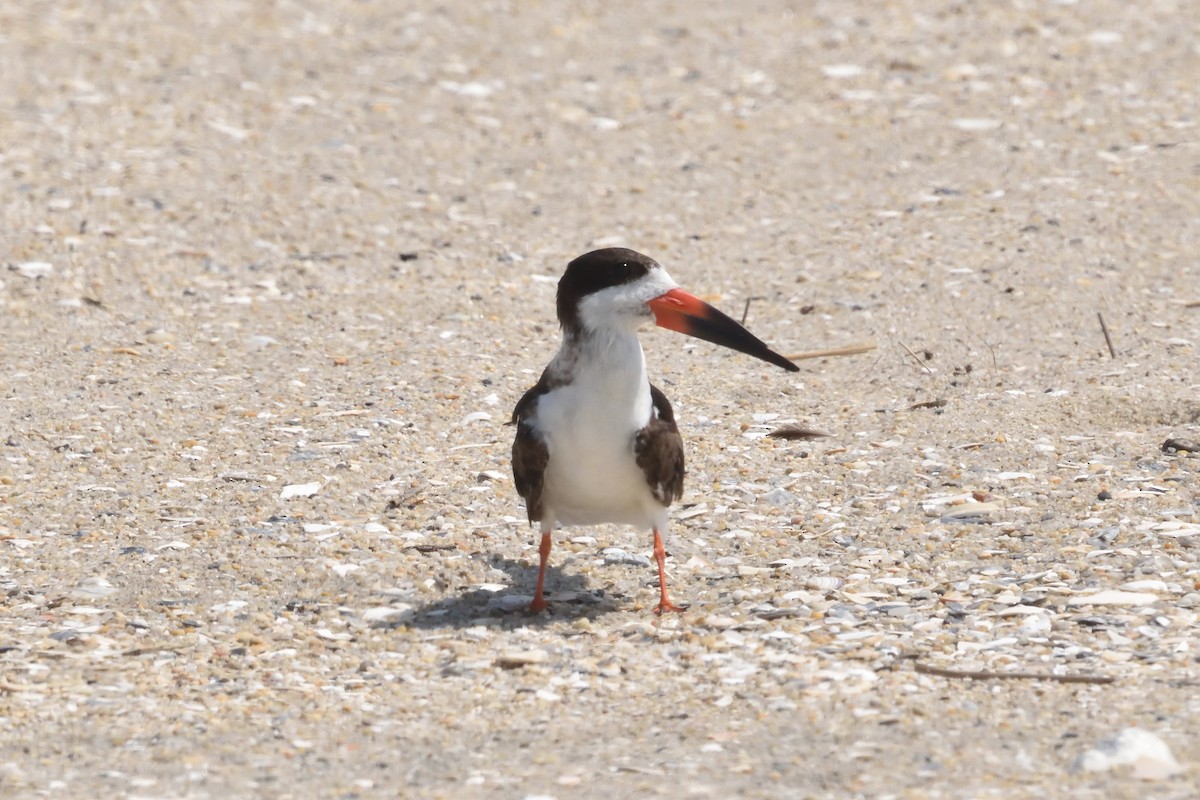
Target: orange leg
(539, 602)
(660, 555)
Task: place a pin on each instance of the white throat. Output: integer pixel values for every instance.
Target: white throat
(608, 369)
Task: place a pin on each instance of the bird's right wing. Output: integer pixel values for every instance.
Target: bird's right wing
(529, 453)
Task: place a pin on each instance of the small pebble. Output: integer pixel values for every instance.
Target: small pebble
(1148, 756)
(511, 659)
(299, 490)
(615, 555)
(33, 269)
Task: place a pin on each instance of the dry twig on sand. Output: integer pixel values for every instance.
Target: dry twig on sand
(988, 675)
(916, 358)
(1107, 339)
(848, 350)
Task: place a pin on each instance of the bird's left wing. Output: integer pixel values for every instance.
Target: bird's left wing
(659, 450)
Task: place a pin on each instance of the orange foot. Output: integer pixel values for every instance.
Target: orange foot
(538, 605)
(666, 606)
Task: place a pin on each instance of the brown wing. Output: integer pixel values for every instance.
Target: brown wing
(659, 450)
(529, 453)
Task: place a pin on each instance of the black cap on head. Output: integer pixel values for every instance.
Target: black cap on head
(594, 271)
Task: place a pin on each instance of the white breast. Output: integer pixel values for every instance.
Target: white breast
(589, 426)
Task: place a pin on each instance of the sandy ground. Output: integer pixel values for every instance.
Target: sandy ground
(251, 246)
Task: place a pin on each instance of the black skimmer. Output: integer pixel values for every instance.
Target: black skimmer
(596, 441)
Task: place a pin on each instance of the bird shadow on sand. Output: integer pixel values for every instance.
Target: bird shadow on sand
(568, 594)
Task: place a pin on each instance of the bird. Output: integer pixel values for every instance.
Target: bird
(596, 442)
